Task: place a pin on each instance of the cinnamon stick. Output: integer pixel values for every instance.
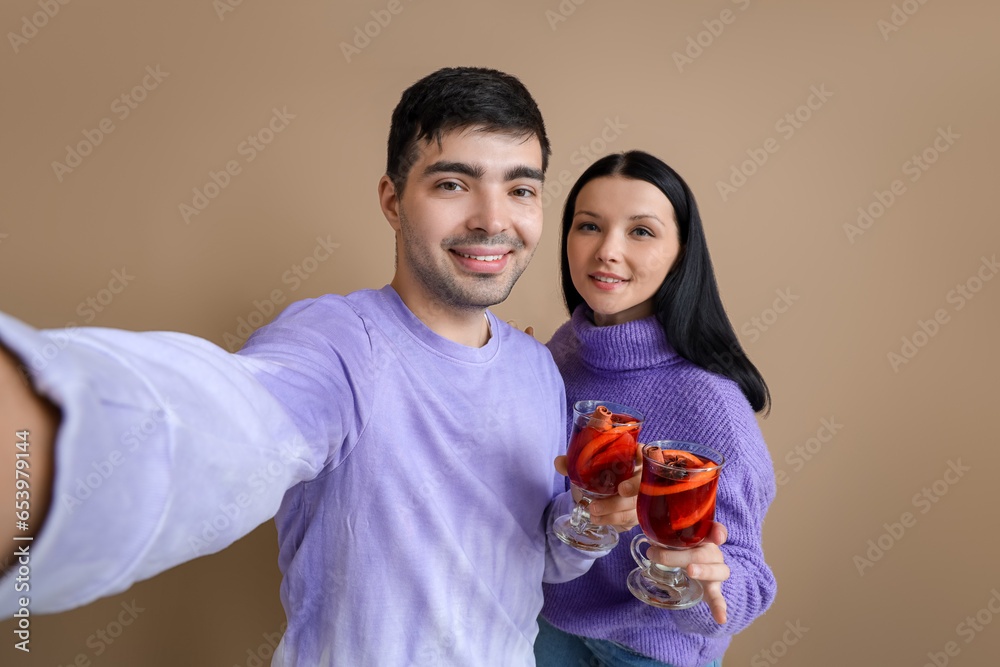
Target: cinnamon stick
(655, 453)
(600, 419)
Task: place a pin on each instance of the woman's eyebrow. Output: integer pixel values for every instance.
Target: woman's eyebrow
(632, 218)
(642, 216)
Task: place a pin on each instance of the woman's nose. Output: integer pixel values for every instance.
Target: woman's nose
(610, 249)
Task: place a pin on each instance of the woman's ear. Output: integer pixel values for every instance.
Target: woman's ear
(678, 259)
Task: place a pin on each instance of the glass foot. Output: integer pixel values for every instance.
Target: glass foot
(594, 538)
(664, 595)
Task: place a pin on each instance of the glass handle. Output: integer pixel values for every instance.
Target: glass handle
(641, 560)
(661, 574)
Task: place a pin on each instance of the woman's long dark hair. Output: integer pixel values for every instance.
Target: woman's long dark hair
(687, 304)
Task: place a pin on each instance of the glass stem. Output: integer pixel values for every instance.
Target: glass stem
(580, 519)
(672, 576)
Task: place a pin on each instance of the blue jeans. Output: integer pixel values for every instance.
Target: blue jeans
(555, 648)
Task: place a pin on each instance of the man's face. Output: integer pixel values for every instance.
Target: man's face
(469, 219)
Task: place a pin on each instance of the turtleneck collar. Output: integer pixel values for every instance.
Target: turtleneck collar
(620, 347)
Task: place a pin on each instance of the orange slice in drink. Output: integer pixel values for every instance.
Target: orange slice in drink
(595, 446)
(682, 522)
(695, 480)
(689, 459)
(600, 441)
(623, 449)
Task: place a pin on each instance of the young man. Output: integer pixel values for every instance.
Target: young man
(402, 437)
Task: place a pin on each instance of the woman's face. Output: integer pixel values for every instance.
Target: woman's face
(621, 244)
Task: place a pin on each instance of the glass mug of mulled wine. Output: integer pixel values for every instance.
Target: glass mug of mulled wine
(601, 455)
(676, 509)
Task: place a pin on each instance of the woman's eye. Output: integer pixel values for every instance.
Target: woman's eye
(587, 227)
(642, 231)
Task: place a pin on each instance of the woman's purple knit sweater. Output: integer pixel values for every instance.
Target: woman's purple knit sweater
(633, 364)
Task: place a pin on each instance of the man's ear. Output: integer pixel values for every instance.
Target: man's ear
(388, 200)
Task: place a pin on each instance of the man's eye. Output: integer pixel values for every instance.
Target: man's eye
(450, 186)
(524, 192)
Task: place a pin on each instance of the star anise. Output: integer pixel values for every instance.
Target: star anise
(677, 467)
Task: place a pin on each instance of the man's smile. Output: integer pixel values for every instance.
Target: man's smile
(481, 260)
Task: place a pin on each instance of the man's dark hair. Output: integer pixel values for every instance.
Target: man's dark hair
(456, 98)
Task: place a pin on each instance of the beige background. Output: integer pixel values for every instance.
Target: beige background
(824, 358)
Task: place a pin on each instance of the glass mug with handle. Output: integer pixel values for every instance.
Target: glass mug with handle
(601, 455)
(676, 509)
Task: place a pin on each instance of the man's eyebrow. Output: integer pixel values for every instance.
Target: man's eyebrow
(478, 172)
(524, 171)
(472, 171)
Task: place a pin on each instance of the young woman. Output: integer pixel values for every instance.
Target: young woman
(648, 330)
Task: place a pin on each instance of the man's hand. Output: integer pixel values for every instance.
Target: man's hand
(617, 511)
(21, 409)
(704, 563)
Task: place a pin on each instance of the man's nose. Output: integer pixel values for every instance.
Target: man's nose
(490, 214)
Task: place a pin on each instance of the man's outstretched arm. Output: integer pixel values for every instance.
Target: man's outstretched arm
(157, 457)
(166, 447)
(28, 425)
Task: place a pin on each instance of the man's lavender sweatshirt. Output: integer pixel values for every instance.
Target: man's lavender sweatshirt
(410, 476)
(633, 364)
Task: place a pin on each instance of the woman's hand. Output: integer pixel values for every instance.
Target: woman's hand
(704, 563)
(530, 330)
(617, 511)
